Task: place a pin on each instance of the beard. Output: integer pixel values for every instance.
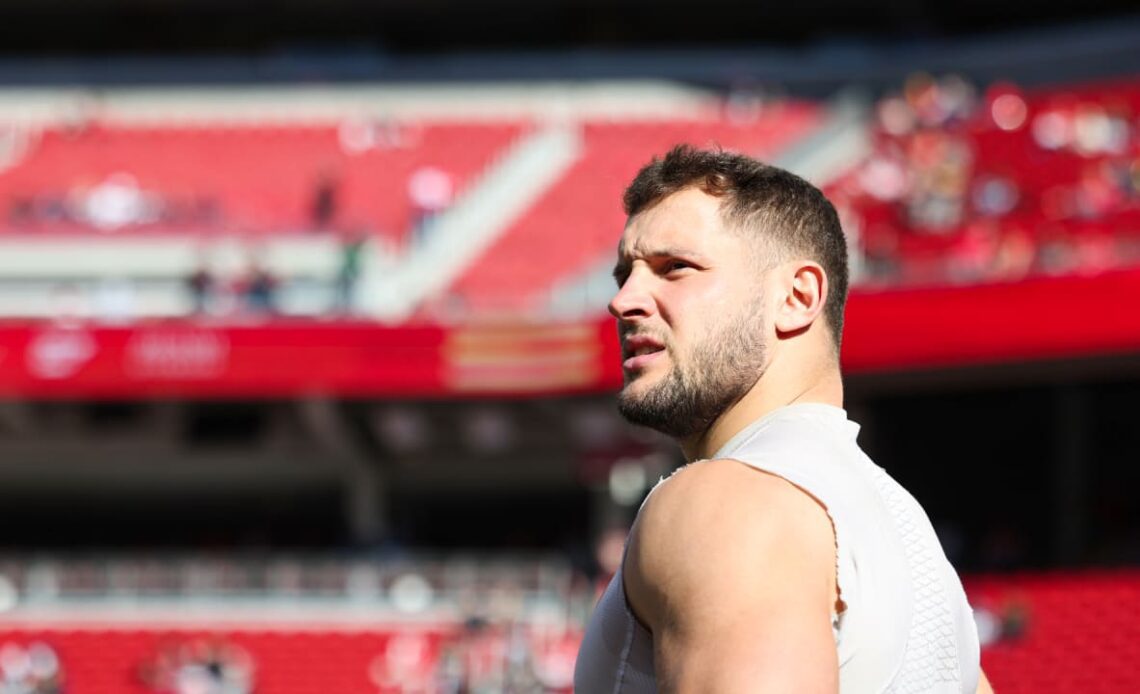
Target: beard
(692, 395)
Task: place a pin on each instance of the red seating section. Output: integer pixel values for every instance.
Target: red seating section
(1077, 208)
(260, 178)
(1074, 209)
(577, 224)
(111, 659)
(1080, 633)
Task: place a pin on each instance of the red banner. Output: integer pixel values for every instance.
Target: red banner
(1033, 320)
(198, 360)
(890, 331)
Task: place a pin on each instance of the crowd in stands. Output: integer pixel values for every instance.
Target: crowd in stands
(481, 657)
(966, 185)
(252, 179)
(30, 668)
(198, 666)
(1040, 632)
(249, 293)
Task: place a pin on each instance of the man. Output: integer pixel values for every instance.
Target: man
(781, 559)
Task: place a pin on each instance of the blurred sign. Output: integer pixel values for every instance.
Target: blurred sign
(890, 331)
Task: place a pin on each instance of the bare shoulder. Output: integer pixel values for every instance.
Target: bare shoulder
(733, 535)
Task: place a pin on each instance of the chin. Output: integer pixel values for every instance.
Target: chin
(639, 386)
(636, 379)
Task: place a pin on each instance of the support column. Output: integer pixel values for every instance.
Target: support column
(1070, 475)
(362, 480)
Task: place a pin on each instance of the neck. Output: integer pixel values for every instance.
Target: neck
(776, 388)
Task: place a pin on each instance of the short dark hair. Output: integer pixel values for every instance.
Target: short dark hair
(788, 209)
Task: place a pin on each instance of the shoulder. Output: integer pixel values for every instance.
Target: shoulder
(721, 528)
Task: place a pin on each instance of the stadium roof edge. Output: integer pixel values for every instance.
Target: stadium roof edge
(542, 100)
(1047, 54)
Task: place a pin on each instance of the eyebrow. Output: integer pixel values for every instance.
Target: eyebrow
(624, 261)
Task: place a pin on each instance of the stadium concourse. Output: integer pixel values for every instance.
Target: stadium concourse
(310, 341)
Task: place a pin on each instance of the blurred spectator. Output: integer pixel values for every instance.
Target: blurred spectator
(1052, 129)
(256, 289)
(260, 291)
(1098, 192)
(351, 256)
(114, 300)
(941, 165)
(1055, 253)
(1015, 256)
(1096, 251)
(927, 103)
(32, 669)
(201, 285)
(430, 191)
(921, 94)
(932, 173)
(885, 177)
(958, 98)
(1002, 623)
(881, 257)
(994, 196)
(1007, 108)
(972, 256)
(1096, 131)
(323, 208)
(361, 135)
(199, 666)
(117, 201)
(406, 665)
(554, 653)
(485, 648)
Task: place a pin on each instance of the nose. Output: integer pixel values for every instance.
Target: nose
(632, 299)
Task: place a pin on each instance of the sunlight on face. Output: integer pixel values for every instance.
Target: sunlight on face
(689, 313)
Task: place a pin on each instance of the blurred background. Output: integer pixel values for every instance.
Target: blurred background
(306, 380)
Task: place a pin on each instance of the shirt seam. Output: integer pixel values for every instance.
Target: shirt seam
(623, 662)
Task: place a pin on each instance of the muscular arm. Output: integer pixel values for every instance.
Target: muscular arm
(733, 571)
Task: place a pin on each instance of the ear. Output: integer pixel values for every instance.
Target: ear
(804, 291)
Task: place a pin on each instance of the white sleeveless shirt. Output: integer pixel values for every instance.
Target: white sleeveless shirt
(906, 626)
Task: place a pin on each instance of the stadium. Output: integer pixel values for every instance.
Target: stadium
(306, 375)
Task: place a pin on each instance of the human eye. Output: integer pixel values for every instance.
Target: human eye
(675, 265)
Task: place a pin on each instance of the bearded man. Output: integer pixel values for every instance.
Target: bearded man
(781, 558)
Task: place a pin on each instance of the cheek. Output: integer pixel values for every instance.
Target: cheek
(697, 309)
(683, 305)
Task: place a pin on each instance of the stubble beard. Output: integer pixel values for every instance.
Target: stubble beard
(721, 370)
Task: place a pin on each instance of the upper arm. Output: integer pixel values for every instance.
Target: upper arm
(984, 686)
(733, 571)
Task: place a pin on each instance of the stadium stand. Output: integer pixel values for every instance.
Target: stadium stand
(252, 179)
(394, 659)
(960, 187)
(572, 229)
(1059, 632)
(294, 626)
(1042, 633)
(964, 187)
(1031, 188)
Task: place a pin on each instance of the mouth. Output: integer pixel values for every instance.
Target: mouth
(639, 352)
